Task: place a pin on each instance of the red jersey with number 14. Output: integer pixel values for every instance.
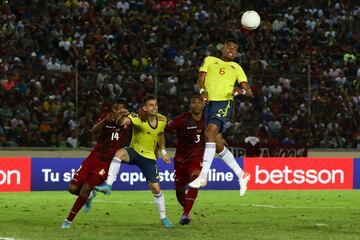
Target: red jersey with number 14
(111, 139)
(190, 137)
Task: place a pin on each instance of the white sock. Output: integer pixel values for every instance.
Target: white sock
(113, 170)
(229, 160)
(160, 203)
(210, 149)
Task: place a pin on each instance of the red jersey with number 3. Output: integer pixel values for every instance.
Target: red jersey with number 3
(111, 139)
(190, 137)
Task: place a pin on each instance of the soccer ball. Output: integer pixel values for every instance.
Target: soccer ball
(250, 20)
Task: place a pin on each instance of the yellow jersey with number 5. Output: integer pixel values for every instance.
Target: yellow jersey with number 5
(220, 78)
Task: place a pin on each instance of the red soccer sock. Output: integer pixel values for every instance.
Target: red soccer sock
(79, 203)
(190, 199)
(181, 196)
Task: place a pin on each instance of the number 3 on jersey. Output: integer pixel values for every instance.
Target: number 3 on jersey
(114, 135)
(197, 140)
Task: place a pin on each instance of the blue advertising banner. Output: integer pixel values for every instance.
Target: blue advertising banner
(356, 173)
(56, 173)
(53, 173)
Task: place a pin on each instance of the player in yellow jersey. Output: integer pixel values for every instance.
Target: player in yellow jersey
(147, 134)
(216, 81)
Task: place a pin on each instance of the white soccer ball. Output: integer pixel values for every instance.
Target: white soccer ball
(250, 20)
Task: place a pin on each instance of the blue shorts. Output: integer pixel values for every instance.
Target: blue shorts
(218, 113)
(147, 166)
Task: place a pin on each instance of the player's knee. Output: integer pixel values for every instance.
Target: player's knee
(121, 154)
(85, 190)
(219, 143)
(73, 189)
(155, 188)
(118, 153)
(219, 148)
(209, 136)
(210, 133)
(194, 175)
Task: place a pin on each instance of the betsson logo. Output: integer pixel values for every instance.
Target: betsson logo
(15, 173)
(298, 176)
(10, 177)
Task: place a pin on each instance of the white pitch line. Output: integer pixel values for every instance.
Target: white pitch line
(264, 206)
(122, 202)
(241, 205)
(301, 207)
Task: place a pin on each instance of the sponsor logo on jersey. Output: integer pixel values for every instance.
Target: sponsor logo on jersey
(102, 172)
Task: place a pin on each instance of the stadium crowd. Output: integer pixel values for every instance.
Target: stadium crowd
(63, 61)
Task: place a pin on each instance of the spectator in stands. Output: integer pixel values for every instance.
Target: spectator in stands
(252, 143)
(74, 40)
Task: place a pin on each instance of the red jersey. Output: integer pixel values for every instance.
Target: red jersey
(112, 138)
(191, 140)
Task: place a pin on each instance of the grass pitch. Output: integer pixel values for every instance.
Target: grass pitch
(216, 215)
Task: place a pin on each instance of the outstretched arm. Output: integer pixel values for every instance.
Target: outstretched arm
(161, 144)
(96, 130)
(201, 85)
(201, 80)
(122, 119)
(246, 87)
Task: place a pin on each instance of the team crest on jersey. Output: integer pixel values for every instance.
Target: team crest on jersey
(102, 172)
(232, 67)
